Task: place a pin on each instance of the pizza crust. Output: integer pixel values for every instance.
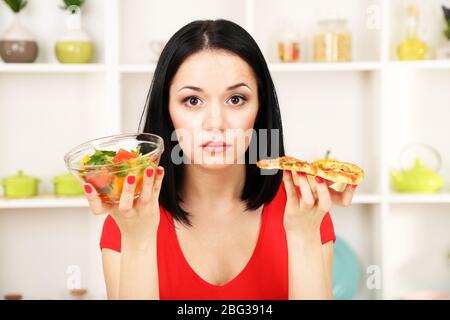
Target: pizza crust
(338, 186)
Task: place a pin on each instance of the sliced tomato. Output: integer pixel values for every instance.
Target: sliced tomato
(124, 155)
(100, 179)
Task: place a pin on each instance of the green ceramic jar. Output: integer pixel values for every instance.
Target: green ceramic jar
(20, 186)
(67, 185)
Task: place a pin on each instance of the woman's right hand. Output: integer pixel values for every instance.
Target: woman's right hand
(136, 222)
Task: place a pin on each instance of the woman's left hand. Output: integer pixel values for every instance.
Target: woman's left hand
(307, 204)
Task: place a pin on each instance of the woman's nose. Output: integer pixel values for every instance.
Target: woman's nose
(214, 118)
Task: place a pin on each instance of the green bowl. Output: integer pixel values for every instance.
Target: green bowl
(74, 51)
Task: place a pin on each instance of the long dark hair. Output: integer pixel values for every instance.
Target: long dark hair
(193, 37)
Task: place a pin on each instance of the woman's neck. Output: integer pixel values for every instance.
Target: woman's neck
(211, 188)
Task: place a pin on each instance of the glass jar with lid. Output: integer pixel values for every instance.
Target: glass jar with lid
(289, 46)
(332, 42)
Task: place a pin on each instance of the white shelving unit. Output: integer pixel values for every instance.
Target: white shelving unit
(44, 201)
(372, 106)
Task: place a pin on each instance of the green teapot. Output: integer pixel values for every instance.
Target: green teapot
(418, 179)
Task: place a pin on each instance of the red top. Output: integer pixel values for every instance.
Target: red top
(264, 277)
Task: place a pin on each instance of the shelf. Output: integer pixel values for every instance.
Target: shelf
(44, 201)
(420, 198)
(427, 64)
(51, 68)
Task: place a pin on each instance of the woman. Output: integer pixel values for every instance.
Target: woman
(213, 228)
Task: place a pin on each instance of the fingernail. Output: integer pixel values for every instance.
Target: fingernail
(160, 170)
(149, 172)
(302, 174)
(87, 188)
(319, 179)
(130, 179)
(354, 186)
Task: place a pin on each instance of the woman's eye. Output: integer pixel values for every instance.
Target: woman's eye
(237, 100)
(192, 101)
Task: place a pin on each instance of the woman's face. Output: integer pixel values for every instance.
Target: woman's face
(213, 104)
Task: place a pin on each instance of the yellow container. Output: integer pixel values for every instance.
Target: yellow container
(333, 42)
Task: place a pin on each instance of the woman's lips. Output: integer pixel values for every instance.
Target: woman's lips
(215, 146)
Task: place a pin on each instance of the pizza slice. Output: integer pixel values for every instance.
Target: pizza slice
(341, 173)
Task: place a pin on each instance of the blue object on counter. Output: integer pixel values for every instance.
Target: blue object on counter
(346, 271)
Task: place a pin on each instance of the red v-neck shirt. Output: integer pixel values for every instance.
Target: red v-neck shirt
(265, 275)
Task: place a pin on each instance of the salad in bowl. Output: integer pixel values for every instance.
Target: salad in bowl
(105, 162)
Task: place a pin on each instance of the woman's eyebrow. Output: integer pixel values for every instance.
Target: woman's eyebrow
(237, 85)
(192, 88)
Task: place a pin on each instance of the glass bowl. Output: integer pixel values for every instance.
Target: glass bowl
(106, 162)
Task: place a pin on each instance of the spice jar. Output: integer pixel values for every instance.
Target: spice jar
(13, 296)
(332, 43)
(78, 294)
(289, 47)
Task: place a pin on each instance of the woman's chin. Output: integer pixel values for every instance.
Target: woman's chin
(215, 162)
(216, 165)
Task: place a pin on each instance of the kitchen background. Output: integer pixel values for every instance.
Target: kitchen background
(339, 62)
